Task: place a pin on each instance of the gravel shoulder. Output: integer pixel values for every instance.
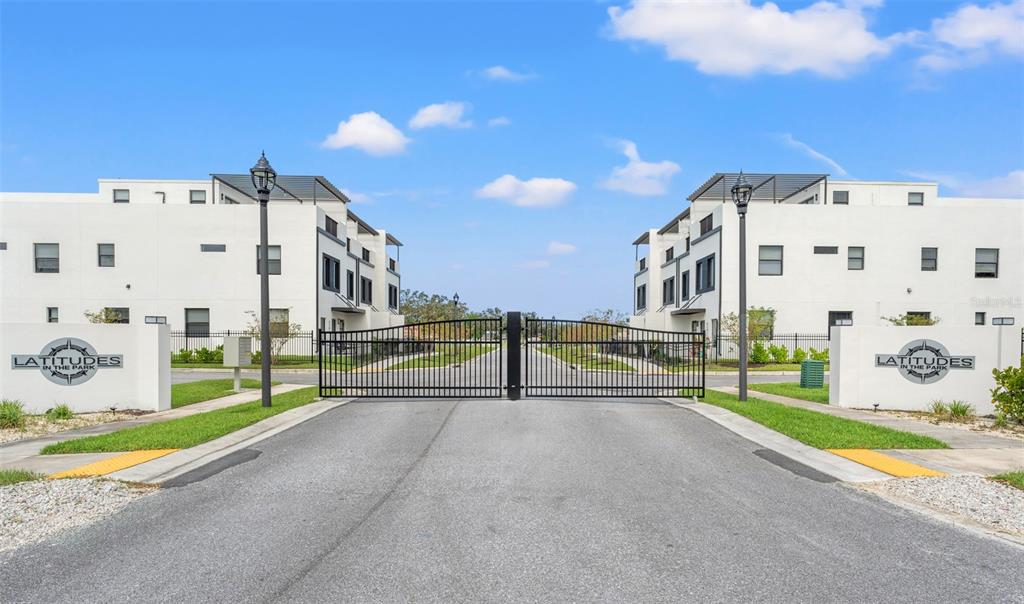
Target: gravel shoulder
(976, 499)
(983, 425)
(32, 511)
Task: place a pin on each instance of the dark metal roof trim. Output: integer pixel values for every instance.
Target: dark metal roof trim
(287, 188)
(674, 222)
(767, 187)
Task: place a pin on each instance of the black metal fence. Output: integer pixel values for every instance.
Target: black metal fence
(779, 348)
(584, 359)
(298, 347)
(441, 359)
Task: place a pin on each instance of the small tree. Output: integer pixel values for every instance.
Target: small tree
(760, 325)
(905, 320)
(280, 333)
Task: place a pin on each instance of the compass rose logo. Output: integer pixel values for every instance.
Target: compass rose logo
(924, 361)
(67, 361)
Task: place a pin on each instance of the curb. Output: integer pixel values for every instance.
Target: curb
(837, 467)
(163, 469)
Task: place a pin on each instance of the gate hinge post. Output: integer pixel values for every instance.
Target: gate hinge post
(513, 367)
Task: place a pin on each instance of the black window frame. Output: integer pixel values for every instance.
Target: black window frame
(53, 314)
(192, 199)
(832, 319)
(929, 264)
(761, 261)
(392, 296)
(910, 198)
(994, 265)
(100, 255)
(641, 297)
(350, 285)
(707, 224)
(127, 196)
(684, 285)
(706, 269)
(979, 314)
(331, 279)
(366, 255)
(331, 225)
(643, 264)
(124, 314)
(198, 329)
(845, 197)
(850, 257)
(213, 248)
(829, 250)
(670, 253)
(271, 261)
(668, 291)
(36, 258)
(365, 290)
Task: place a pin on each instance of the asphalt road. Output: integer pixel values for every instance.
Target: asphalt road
(469, 501)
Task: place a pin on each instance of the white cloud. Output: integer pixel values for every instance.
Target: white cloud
(1009, 186)
(499, 121)
(367, 132)
(812, 152)
(504, 74)
(557, 248)
(536, 192)
(534, 264)
(357, 197)
(448, 114)
(972, 34)
(734, 37)
(638, 177)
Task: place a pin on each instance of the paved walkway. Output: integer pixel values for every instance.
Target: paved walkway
(24, 454)
(970, 452)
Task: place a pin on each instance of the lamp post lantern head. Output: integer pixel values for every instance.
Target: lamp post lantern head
(455, 298)
(741, 192)
(263, 175)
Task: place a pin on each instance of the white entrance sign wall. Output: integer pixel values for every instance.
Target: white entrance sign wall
(90, 367)
(909, 367)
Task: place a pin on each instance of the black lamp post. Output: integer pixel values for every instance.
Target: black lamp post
(741, 192)
(263, 178)
(455, 306)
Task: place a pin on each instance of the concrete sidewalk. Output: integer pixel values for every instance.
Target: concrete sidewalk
(24, 454)
(969, 452)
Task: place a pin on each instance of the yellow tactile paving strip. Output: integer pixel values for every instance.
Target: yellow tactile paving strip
(113, 464)
(885, 463)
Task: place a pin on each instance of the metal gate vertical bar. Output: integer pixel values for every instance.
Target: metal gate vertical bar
(514, 358)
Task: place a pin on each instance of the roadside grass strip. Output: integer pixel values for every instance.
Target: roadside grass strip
(112, 464)
(575, 355)
(821, 430)
(885, 463)
(445, 356)
(1014, 479)
(185, 432)
(793, 390)
(15, 476)
(205, 390)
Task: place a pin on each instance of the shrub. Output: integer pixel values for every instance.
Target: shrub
(938, 407)
(819, 355)
(960, 410)
(12, 414)
(60, 412)
(1000, 421)
(185, 356)
(257, 357)
(779, 353)
(799, 355)
(759, 354)
(204, 355)
(1008, 395)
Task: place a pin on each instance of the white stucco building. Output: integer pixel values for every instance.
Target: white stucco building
(821, 252)
(185, 251)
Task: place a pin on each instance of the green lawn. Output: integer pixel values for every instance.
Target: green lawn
(581, 356)
(821, 430)
(204, 390)
(1015, 479)
(15, 476)
(793, 390)
(446, 355)
(186, 431)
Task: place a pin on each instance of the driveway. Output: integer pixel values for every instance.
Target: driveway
(535, 500)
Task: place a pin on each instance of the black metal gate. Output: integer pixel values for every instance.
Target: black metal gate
(469, 358)
(442, 359)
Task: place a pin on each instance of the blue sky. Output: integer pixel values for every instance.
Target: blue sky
(876, 91)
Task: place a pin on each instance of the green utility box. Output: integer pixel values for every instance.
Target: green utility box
(812, 374)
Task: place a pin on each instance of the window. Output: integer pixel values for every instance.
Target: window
(706, 224)
(915, 198)
(929, 258)
(119, 314)
(826, 249)
(332, 225)
(3, 245)
(641, 297)
(332, 273)
(769, 260)
(668, 291)
(841, 198)
(273, 260)
(350, 286)
(919, 314)
(105, 251)
(706, 274)
(392, 265)
(643, 264)
(53, 314)
(279, 322)
(986, 263)
(155, 319)
(392, 296)
(348, 244)
(47, 257)
(669, 254)
(197, 322)
(684, 286)
(979, 318)
(366, 255)
(687, 244)
(365, 291)
(840, 317)
(855, 258)
(323, 323)
(121, 195)
(212, 247)
(197, 196)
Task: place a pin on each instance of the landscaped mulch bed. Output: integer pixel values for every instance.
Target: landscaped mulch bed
(40, 425)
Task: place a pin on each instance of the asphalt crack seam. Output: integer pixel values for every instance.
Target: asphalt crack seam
(318, 560)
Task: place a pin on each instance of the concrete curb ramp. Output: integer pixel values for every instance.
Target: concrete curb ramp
(822, 461)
